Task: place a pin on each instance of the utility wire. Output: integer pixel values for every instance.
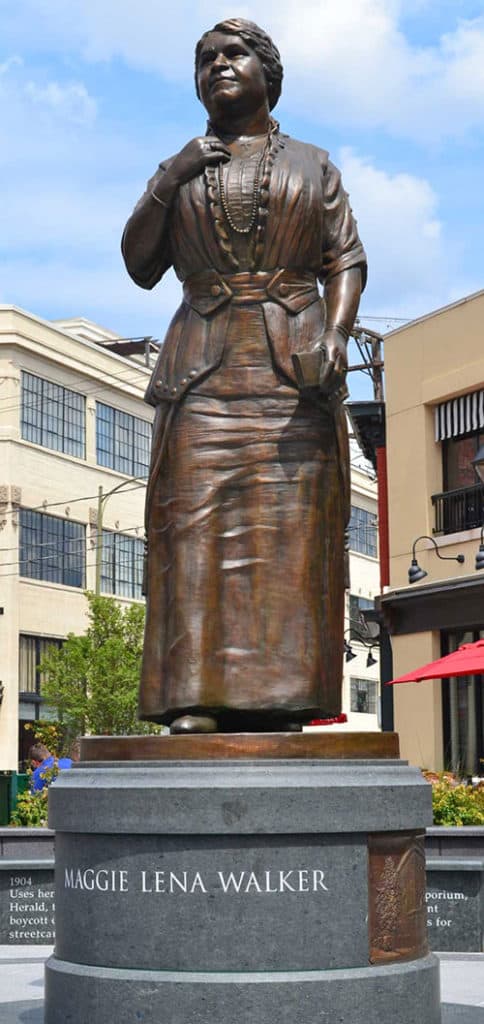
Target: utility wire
(93, 497)
(129, 366)
(87, 393)
(105, 378)
(67, 502)
(384, 319)
(74, 542)
(87, 565)
(81, 542)
(44, 562)
(66, 554)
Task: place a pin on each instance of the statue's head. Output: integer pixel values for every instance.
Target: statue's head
(258, 42)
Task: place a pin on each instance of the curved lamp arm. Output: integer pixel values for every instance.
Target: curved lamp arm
(415, 573)
(445, 558)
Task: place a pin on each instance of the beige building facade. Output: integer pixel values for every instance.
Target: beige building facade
(72, 421)
(434, 370)
(361, 671)
(361, 663)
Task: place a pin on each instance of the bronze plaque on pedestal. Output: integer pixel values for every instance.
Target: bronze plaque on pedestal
(397, 913)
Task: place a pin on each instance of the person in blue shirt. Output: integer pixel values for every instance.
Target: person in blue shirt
(42, 762)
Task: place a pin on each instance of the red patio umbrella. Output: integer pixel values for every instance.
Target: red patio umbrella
(468, 660)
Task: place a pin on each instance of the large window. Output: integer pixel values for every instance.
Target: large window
(357, 605)
(458, 453)
(463, 710)
(364, 696)
(461, 504)
(122, 565)
(32, 649)
(362, 531)
(53, 416)
(52, 549)
(459, 425)
(122, 441)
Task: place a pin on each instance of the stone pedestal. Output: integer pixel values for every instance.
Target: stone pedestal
(200, 891)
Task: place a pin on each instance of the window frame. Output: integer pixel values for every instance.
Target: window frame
(450, 444)
(32, 522)
(52, 416)
(360, 532)
(123, 441)
(40, 647)
(357, 625)
(372, 695)
(117, 550)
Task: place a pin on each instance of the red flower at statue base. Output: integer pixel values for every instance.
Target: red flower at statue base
(337, 720)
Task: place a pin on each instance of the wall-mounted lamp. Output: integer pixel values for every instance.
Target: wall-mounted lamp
(415, 572)
(480, 553)
(349, 652)
(478, 463)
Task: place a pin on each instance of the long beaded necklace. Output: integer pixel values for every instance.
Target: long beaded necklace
(247, 228)
(221, 214)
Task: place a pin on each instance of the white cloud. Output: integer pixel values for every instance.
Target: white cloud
(71, 101)
(357, 66)
(10, 63)
(41, 107)
(348, 59)
(66, 215)
(410, 269)
(81, 174)
(463, 52)
(100, 290)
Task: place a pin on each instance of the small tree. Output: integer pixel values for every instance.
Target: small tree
(91, 682)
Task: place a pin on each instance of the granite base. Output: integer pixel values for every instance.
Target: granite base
(198, 891)
(403, 993)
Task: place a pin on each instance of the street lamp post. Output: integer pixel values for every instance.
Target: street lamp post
(101, 501)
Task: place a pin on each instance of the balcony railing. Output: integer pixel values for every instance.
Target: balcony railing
(459, 510)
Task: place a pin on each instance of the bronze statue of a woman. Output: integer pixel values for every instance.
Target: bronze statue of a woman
(248, 494)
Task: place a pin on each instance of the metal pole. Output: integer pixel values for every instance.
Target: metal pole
(99, 538)
(101, 500)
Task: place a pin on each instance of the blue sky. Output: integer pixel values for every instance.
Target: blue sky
(93, 93)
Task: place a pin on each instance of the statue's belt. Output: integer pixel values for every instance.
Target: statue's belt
(292, 289)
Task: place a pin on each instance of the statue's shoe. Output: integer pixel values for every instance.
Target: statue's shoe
(193, 724)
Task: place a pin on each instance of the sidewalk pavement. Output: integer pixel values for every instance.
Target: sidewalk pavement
(22, 986)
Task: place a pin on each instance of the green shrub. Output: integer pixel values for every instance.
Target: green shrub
(31, 809)
(91, 683)
(456, 804)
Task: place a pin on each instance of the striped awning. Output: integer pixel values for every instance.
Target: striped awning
(459, 416)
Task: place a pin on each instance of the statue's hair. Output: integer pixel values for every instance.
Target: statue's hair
(260, 43)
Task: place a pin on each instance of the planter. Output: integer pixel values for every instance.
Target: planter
(27, 886)
(455, 888)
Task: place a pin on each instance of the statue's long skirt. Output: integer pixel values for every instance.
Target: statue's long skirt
(246, 580)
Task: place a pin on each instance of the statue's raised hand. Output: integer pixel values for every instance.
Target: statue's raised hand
(194, 157)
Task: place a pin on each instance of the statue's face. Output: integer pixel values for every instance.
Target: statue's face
(230, 76)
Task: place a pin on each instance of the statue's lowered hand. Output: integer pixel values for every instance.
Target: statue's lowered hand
(317, 374)
(307, 369)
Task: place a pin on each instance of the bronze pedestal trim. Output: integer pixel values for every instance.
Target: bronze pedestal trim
(242, 746)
